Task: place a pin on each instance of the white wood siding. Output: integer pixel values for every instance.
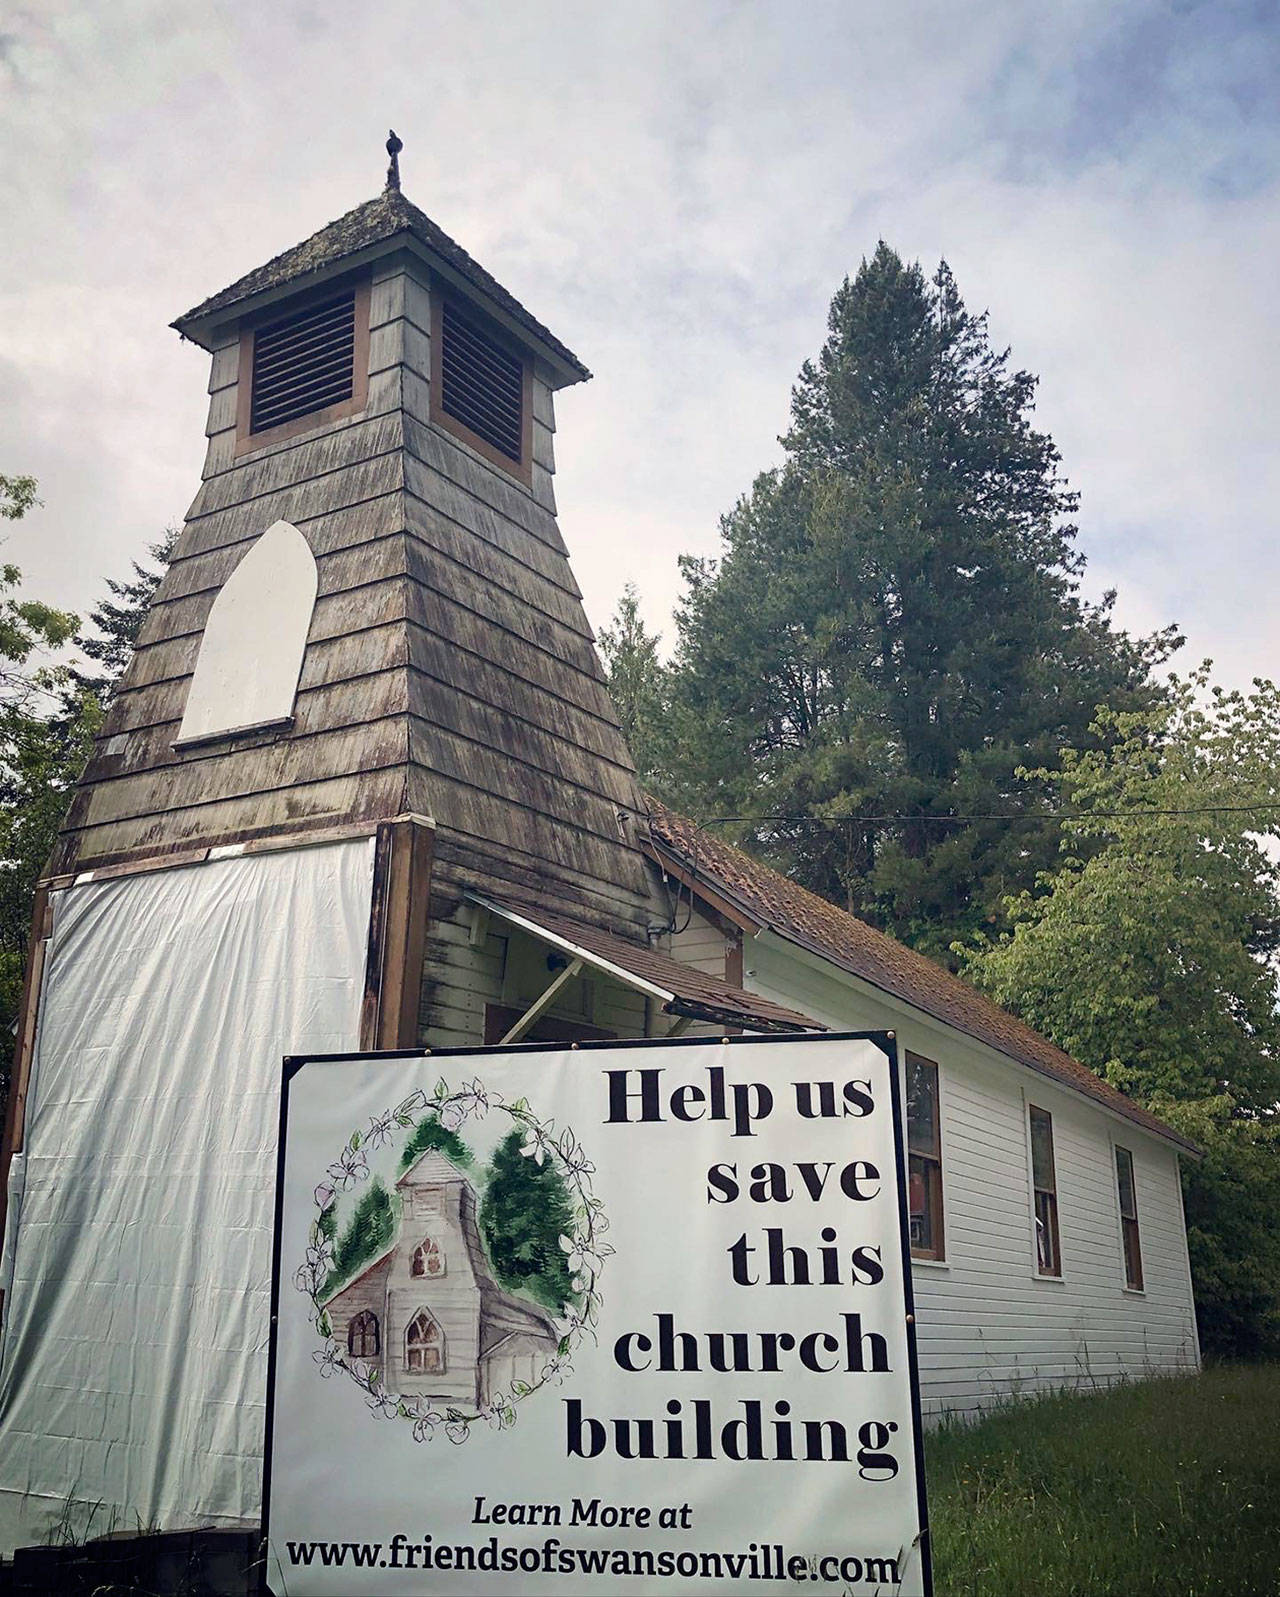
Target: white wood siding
(988, 1325)
(699, 944)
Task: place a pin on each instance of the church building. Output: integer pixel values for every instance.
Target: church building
(428, 1314)
(362, 787)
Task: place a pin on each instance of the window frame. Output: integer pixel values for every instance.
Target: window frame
(1054, 1271)
(248, 441)
(424, 1252)
(522, 469)
(1127, 1221)
(423, 1343)
(932, 1161)
(367, 1321)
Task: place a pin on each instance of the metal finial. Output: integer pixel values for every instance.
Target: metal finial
(394, 146)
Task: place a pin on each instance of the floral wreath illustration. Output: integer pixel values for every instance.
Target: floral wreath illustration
(585, 1254)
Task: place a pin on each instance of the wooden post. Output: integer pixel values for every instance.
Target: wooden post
(24, 1050)
(397, 933)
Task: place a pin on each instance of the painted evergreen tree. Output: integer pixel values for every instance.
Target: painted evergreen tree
(525, 1212)
(368, 1232)
(895, 627)
(429, 1133)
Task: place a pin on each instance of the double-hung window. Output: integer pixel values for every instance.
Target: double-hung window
(924, 1159)
(1044, 1184)
(1129, 1220)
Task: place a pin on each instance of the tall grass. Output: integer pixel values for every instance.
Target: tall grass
(1165, 1488)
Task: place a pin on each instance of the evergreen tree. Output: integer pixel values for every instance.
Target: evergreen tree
(895, 626)
(429, 1133)
(1149, 954)
(637, 684)
(524, 1214)
(118, 620)
(367, 1234)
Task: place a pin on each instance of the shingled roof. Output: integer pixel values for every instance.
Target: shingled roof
(375, 222)
(770, 900)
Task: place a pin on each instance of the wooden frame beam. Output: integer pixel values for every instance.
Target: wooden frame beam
(403, 853)
(542, 1003)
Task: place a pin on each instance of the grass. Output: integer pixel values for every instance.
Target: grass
(1164, 1488)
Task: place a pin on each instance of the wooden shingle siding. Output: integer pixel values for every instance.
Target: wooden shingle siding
(359, 797)
(521, 879)
(988, 1326)
(476, 566)
(487, 484)
(433, 497)
(290, 465)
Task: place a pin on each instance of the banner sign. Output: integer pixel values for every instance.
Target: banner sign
(615, 1317)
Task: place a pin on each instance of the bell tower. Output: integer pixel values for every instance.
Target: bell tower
(370, 613)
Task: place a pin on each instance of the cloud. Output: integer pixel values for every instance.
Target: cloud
(677, 191)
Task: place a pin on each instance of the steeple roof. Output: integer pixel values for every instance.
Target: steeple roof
(372, 228)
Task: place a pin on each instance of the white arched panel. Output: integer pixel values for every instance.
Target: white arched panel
(251, 653)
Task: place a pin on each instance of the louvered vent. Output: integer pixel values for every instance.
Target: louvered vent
(304, 363)
(482, 384)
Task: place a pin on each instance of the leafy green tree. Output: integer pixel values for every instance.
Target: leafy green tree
(895, 628)
(429, 1133)
(368, 1232)
(524, 1214)
(17, 496)
(637, 685)
(1149, 952)
(45, 731)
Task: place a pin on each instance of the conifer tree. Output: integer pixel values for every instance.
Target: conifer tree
(895, 627)
(429, 1133)
(637, 684)
(118, 620)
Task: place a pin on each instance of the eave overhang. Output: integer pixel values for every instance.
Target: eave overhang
(678, 989)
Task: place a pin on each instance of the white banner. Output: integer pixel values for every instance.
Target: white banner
(614, 1318)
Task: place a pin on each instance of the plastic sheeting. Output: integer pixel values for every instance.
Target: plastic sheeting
(133, 1364)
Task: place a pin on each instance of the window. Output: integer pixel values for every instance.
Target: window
(480, 386)
(924, 1159)
(304, 367)
(1044, 1183)
(423, 1345)
(427, 1258)
(362, 1336)
(1129, 1220)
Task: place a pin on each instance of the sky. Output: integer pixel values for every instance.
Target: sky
(677, 190)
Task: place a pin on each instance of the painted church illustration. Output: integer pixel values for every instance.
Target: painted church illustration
(427, 1313)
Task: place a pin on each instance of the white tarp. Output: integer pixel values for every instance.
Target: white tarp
(624, 1318)
(133, 1364)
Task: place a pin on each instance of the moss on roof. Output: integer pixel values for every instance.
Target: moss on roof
(371, 223)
